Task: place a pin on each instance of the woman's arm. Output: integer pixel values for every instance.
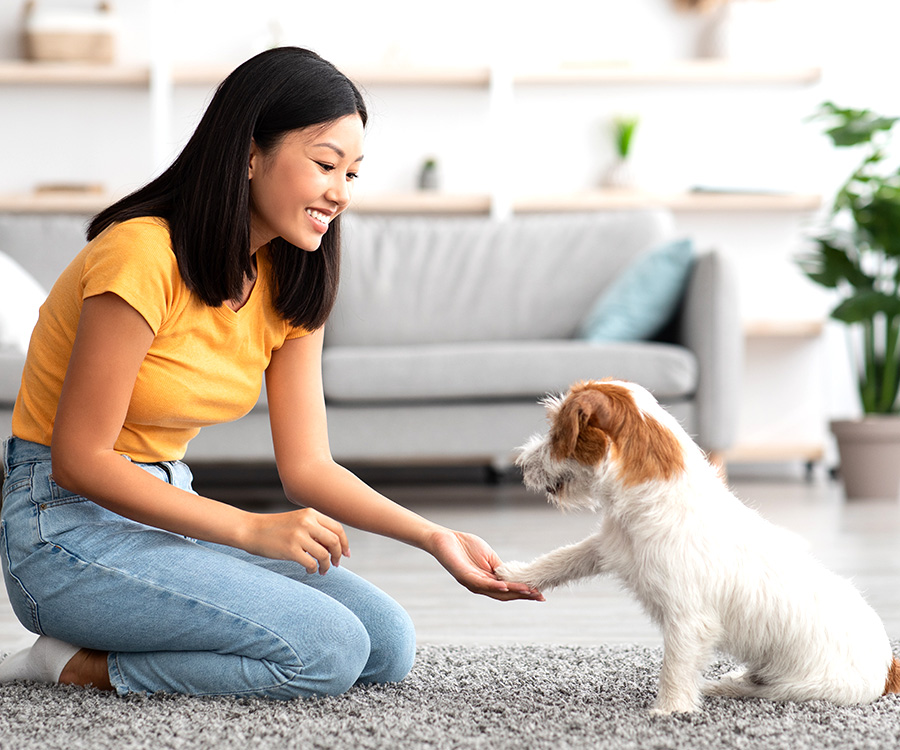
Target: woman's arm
(311, 477)
(110, 345)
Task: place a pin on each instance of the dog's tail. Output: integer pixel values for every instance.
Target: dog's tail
(892, 683)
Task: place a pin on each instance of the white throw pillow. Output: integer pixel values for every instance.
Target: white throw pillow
(21, 296)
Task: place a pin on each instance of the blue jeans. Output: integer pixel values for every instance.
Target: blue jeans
(181, 616)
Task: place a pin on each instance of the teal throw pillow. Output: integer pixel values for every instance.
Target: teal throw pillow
(637, 304)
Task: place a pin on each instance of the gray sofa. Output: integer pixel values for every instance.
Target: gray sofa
(448, 331)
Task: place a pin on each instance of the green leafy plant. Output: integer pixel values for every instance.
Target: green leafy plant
(858, 252)
(624, 128)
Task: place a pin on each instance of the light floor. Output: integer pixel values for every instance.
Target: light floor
(859, 540)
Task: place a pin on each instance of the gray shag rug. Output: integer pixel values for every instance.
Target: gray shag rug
(456, 697)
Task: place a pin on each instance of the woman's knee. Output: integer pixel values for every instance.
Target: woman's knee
(333, 664)
(393, 648)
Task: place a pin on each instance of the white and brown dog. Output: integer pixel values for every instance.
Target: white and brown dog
(711, 572)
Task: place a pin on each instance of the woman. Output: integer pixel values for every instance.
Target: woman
(220, 271)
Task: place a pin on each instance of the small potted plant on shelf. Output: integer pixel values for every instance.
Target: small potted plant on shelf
(857, 254)
(620, 175)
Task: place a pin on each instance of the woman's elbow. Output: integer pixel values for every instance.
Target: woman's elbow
(70, 466)
(300, 477)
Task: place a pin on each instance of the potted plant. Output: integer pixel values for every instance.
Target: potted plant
(619, 175)
(857, 254)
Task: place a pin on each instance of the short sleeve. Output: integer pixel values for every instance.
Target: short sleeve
(135, 261)
(296, 333)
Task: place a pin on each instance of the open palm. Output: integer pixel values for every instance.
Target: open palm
(472, 562)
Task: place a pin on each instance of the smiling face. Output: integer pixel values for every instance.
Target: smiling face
(301, 185)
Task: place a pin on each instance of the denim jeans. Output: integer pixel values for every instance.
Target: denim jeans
(181, 616)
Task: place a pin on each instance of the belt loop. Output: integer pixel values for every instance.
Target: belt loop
(6, 446)
(4, 467)
(168, 469)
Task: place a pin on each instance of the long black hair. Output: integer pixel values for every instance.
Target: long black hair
(205, 194)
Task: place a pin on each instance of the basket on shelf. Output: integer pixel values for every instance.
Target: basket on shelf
(61, 35)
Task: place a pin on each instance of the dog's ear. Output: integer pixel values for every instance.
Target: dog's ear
(579, 430)
(602, 417)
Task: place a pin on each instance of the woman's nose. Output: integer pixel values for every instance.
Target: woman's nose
(339, 192)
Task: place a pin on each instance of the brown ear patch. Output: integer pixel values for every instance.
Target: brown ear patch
(577, 432)
(600, 416)
(892, 683)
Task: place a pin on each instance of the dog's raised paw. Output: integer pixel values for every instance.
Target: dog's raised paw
(514, 572)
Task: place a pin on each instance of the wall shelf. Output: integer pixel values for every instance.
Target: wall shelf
(15, 72)
(383, 75)
(605, 200)
(673, 72)
(62, 201)
(809, 453)
(412, 76)
(425, 202)
(784, 329)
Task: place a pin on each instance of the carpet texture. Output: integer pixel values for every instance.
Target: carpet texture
(494, 697)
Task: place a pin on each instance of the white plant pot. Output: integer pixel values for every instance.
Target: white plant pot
(745, 31)
(619, 176)
(870, 456)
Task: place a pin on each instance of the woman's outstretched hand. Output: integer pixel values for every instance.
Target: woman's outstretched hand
(472, 562)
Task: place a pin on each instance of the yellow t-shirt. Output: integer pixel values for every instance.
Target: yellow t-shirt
(205, 365)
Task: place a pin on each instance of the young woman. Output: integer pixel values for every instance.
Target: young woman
(219, 272)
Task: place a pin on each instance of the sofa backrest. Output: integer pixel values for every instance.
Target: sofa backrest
(415, 280)
(43, 244)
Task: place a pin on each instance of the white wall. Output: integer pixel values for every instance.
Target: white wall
(689, 135)
(729, 136)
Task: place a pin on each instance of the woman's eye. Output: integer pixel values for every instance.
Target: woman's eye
(325, 167)
(352, 175)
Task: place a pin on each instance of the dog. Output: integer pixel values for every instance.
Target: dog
(710, 571)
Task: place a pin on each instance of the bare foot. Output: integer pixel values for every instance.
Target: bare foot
(87, 667)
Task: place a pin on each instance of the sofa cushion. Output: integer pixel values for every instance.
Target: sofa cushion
(641, 300)
(438, 280)
(11, 365)
(500, 370)
(21, 298)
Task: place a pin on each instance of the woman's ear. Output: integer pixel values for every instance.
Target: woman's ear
(254, 158)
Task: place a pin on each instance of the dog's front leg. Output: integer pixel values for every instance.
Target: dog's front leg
(684, 657)
(555, 568)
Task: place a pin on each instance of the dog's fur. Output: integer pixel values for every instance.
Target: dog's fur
(711, 572)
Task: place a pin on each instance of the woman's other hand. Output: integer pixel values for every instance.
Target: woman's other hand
(306, 536)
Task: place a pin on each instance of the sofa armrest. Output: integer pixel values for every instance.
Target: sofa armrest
(11, 365)
(711, 328)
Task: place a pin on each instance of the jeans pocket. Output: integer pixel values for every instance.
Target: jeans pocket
(18, 479)
(61, 511)
(23, 604)
(59, 495)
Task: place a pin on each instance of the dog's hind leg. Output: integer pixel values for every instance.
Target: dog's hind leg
(561, 566)
(735, 684)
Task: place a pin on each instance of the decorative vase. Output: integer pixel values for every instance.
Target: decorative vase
(429, 178)
(869, 451)
(743, 31)
(619, 176)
